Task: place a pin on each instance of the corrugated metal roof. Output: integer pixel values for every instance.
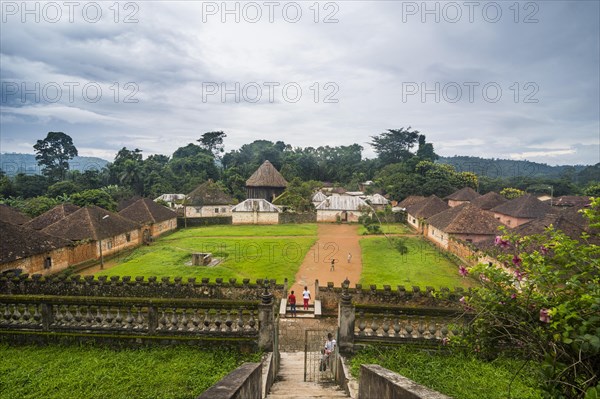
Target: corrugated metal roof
(377, 199)
(255, 205)
(342, 203)
(318, 197)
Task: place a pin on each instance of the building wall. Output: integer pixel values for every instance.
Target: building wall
(511, 221)
(267, 193)
(437, 236)
(332, 215)
(119, 242)
(83, 251)
(413, 221)
(255, 217)
(163, 227)
(37, 264)
(207, 211)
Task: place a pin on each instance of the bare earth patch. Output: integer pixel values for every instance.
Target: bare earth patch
(334, 241)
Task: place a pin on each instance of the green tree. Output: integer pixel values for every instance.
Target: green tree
(96, 197)
(593, 190)
(545, 303)
(53, 154)
(28, 186)
(61, 188)
(38, 205)
(425, 150)
(395, 145)
(213, 142)
(511, 193)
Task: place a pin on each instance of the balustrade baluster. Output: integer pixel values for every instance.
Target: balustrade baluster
(361, 324)
(218, 320)
(89, 319)
(195, 319)
(162, 321)
(99, 318)
(78, 316)
(252, 322)
(409, 329)
(68, 316)
(109, 317)
(240, 321)
(139, 319)
(58, 316)
(396, 327)
(174, 320)
(228, 321)
(26, 314)
(16, 314)
(421, 327)
(206, 320)
(7, 313)
(184, 320)
(374, 326)
(37, 316)
(129, 319)
(432, 329)
(386, 326)
(119, 318)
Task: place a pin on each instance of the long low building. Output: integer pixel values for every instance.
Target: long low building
(342, 208)
(255, 211)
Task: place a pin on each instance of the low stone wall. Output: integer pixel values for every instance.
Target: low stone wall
(150, 287)
(400, 296)
(290, 217)
(377, 382)
(197, 222)
(245, 382)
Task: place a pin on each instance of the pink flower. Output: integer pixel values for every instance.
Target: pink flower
(462, 299)
(445, 341)
(513, 296)
(544, 315)
(501, 243)
(463, 271)
(518, 275)
(516, 261)
(543, 250)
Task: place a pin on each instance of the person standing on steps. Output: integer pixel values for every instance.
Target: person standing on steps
(306, 297)
(292, 302)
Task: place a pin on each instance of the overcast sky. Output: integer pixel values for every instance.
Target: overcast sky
(489, 79)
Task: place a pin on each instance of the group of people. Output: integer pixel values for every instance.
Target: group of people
(333, 260)
(292, 300)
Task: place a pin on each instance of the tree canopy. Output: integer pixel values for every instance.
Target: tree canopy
(53, 154)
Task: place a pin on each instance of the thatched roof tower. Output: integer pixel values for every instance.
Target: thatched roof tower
(266, 183)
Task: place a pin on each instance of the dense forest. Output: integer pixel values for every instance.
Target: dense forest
(406, 164)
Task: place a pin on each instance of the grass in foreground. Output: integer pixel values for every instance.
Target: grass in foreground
(253, 258)
(423, 265)
(59, 372)
(275, 230)
(457, 375)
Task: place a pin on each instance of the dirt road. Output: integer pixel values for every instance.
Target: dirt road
(335, 241)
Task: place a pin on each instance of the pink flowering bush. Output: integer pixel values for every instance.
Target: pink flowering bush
(544, 302)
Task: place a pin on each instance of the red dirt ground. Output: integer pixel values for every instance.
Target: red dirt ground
(334, 241)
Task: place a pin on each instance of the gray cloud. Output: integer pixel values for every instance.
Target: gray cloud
(174, 53)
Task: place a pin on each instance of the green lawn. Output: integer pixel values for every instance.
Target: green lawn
(457, 375)
(244, 256)
(59, 372)
(423, 265)
(308, 229)
(392, 228)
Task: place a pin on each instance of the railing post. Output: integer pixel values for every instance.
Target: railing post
(316, 289)
(346, 317)
(46, 311)
(266, 322)
(152, 319)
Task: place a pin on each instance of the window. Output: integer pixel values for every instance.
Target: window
(223, 210)
(109, 244)
(216, 210)
(48, 263)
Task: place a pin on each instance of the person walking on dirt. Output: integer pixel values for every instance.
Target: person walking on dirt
(292, 302)
(306, 297)
(349, 257)
(332, 265)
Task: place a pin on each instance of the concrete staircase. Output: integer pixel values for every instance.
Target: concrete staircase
(314, 310)
(290, 381)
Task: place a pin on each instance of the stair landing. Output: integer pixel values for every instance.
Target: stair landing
(290, 381)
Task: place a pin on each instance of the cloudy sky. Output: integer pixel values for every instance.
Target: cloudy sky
(491, 79)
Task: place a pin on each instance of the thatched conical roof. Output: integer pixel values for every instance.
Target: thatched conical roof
(266, 176)
(19, 242)
(11, 215)
(145, 210)
(52, 216)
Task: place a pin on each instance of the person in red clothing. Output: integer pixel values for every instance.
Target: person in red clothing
(292, 302)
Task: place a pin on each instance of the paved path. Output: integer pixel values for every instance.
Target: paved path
(290, 381)
(334, 241)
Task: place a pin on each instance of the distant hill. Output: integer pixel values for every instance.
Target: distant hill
(13, 163)
(506, 168)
